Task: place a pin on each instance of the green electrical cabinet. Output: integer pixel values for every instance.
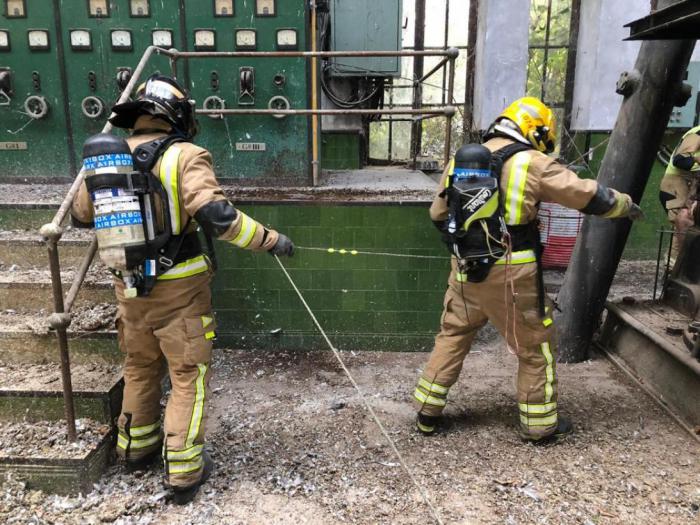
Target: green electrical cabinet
(34, 134)
(104, 41)
(261, 149)
(366, 25)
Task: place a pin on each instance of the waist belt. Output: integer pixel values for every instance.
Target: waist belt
(524, 236)
(190, 248)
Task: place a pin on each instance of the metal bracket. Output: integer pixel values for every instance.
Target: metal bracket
(628, 83)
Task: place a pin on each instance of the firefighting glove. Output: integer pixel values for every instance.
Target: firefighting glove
(284, 246)
(635, 213)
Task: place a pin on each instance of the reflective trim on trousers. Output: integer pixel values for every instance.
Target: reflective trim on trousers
(546, 421)
(187, 454)
(535, 409)
(247, 231)
(187, 268)
(184, 467)
(169, 178)
(123, 441)
(433, 387)
(198, 408)
(429, 400)
(515, 193)
(549, 372)
(521, 257)
(144, 430)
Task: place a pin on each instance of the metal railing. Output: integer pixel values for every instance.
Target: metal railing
(52, 232)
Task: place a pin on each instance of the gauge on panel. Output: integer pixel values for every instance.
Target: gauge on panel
(287, 39)
(4, 40)
(162, 38)
(121, 40)
(246, 40)
(223, 7)
(204, 40)
(98, 8)
(15, 9)
(265, 7)
(80, 40)
(139, 8)
(38, 39)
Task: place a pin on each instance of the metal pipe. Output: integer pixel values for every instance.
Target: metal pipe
(80, 275)
(450, 96)
(314, 99)
(57, 289)
(447, 110)
(68, 200)
(302, 54)
(430, 73)
(418, 63)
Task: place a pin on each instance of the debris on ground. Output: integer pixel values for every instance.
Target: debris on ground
(49, 439)
(295, 445)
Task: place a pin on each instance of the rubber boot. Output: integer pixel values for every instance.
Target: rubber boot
(184, 495)
(564, 428)
(427, 425)
(142, 464)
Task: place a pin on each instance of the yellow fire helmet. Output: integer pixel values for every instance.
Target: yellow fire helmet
(535, 122)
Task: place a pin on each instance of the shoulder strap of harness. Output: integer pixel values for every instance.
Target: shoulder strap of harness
(501, 156)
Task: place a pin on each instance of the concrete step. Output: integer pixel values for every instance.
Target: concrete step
(25, 248)
(34, 392)
(30, 289)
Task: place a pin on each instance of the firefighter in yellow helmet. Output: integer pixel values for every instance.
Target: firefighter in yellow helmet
(678, 185)
(164, 316)
(495, 270)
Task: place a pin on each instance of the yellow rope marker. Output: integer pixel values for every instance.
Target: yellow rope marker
(342, 251)
(331, 250)
(353, 252)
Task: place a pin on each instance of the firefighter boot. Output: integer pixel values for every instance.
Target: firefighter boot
(142, 464)
(564, 428)
(184, 495)
(427, 425)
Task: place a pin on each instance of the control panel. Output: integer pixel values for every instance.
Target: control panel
(61, 72)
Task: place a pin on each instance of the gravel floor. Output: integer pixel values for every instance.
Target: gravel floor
(48, 439)
(293, 444)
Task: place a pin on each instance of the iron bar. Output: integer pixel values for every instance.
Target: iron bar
(446, 42)
(468, 125)
(57, 289)
(438, 52)
(315, 124)
(447, 111)
(574, 26)
(448, 119)
(430, 73)
(80, 275)
(547, 31)
(418, 63)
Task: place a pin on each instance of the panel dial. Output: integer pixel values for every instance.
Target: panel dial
(80, 39)
(38, 39)
(265, 7)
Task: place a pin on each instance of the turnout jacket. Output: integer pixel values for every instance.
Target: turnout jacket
(530, 177)
(186, 172)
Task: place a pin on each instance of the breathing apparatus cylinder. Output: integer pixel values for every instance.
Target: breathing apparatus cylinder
(121, 223)
(471, 162)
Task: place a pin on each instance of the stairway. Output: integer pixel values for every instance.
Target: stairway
(31, 394)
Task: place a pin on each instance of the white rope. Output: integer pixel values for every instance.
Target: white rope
(343, 251)
(336, 353)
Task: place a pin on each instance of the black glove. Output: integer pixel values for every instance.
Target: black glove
(284, 246)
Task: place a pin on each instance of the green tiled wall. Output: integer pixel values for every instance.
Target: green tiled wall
(340, 151)
(363, 302)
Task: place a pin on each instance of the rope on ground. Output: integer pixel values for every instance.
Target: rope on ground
(343, 251)
(336, 353)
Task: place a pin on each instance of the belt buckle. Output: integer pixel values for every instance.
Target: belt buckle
(164, 261)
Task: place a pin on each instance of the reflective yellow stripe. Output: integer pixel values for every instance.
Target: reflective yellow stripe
(450, 172)
(522, 257)
(537, 409)
(144, 430)
(433, 387)
(247, 231)
(185, 455)
(183, 467)
(187, 268)
(461, 277)
(198, 409)
(210, 335)
(515, 193)
(429, 400)
(549, 372)
(206, 321)
(123, 442)
(547, 322)
(539, 421)
(168, 177)
(425, 428)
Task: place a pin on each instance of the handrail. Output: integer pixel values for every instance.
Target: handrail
(53, 231)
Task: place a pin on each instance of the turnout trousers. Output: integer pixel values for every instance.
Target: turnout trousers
(171, 330)
(515, 314)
